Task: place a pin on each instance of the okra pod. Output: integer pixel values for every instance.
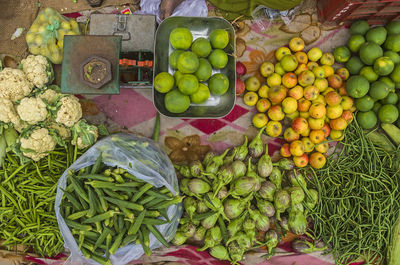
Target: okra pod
(103, 202)
(129, 205)
(118, 178)
(158, 195)
(77, 225)
(132, 184)
(100, 217)
(108, 245)
(73, 200)
(96, 177)
(79, 189)
(100, 259)
(97, 164)
(116, 224)
(146, 200)
(128, 239)
(154, 202)
(142, 190)
(157, 234)
(117, 241)
(164, 214)
(102, 237)
(168, 203)
(99, 228)
(136, 225)
(152, 214)
(146, 241)
(129, 214)
(152, 221)
(115, 195)
(77, 215)
(121, 222)
(92, 203)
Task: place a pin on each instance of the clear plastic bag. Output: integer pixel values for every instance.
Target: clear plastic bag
(46, 34)
(141, 157)
(188, 8)
(264, 16)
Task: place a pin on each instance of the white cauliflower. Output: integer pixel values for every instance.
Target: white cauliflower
(7, 111)
(63, 131)
(20, 125)
(70, 111)
(38, 70)
(14, 85)
(32, 110)
(38, 144)
(49, 95)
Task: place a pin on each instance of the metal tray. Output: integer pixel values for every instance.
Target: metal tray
(215, 106)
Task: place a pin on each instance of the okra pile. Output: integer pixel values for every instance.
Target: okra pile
(108, 208)
(234, 199)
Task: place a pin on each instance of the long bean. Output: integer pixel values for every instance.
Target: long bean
(359, 199)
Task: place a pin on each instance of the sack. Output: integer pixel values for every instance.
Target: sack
(141, 157)
(188, 8)
(46, 34)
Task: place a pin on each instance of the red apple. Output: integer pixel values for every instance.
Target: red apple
(240, 68)
(240, 86)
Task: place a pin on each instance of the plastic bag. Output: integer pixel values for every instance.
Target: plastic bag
(46, 34)
(188, 8)
(264, 16)
(141, 157)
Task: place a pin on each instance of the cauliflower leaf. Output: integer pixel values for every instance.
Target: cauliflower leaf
(84, 135)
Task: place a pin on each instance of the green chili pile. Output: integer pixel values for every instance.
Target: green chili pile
(359, 199)
(27, 195)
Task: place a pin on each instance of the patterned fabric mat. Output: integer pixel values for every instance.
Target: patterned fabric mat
(134, 111)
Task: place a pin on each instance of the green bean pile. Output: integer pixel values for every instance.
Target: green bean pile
(27, 195)
(359, 199)
(107, 208)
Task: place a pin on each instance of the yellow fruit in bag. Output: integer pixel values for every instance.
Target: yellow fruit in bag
(47, 32)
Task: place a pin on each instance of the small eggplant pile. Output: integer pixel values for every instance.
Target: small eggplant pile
(233, 199)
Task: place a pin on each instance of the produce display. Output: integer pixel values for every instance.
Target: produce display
(303, 88)
(34, 116)
(372, 58)
(234, 198)
(46, 34)
(193, 63)
(108, 208)
(27, 194)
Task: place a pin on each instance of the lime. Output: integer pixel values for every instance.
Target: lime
(359, 27)
(218, 84)
(176, 102)
(219, 38)
(163, 82)
(395, 75)
(393, 43)
(388, 82)
(369, 52)
(383, 66)
(376, 35)
(188, 62)
(177, 76)
(188, 84)
(376, 107)
(201, 95)
(218, 58)
(391, 98)
(354, 65)
(379, 90)
(357, 86)
(365, 103)
(204, 71)
(181, 38)
(173, 58)
(367, 120)
(201, 47)
(394, 56)
(355, 42)
(342, 54)
(369, 74)
(393, 27)
(388, 113)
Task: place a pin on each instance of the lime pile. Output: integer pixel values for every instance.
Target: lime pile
(373, 60)
(193, 62)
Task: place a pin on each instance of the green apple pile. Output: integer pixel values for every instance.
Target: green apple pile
(373, 60)
(193, 63)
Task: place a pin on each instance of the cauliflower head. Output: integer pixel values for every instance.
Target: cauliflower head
(38, 144)
(70, 111)
(7, 111)
(32, 110)
(49, 95)
(84, 135)
(63, 131)
(38, 70)
(14, 85)
(20, 125)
